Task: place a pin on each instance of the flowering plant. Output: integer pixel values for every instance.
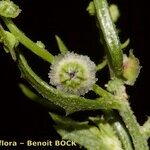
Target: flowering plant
(72, 76)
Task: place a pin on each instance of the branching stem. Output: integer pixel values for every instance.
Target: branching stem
(22, 38)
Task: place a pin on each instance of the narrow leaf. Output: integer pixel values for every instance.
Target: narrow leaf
(89, 136)
(40, 100)
(110, 38)
(62, 47)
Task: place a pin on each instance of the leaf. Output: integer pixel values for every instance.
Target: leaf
(89, 136)
(110, 38)
(62, 47)
(40, 100)
(125, 44)
(70, 103)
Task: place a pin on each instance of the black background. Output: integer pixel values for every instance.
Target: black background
(41, 20)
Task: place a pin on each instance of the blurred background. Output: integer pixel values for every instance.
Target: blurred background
(19, 117)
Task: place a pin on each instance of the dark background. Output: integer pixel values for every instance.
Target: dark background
(41, 20)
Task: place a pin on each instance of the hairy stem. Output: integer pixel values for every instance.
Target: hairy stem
(139, 141)
(22, 38)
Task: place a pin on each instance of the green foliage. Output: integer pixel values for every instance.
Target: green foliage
(92, 137)
(62, 47)
(125, 44)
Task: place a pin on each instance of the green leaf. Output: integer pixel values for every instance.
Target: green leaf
(121, 131)
(129, 119)
(89, 136)
(101, 65)
(27, 92)
(110, 38)
(62, 47)
(9, 9)
(70, 103)
(40, 100)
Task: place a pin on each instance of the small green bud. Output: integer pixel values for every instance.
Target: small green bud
(116, 87)
(114, 12)
(131, 68)
(10, 42)
(9, 9)
(73, 73)
(91, 9)
(40, 44)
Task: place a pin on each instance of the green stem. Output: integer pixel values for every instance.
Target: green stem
(139, 141)
(44, 54)
(110, 39)
(116, 123)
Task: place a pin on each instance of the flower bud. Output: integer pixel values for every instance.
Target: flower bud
(131, 68)
(73, 73)
(9, 9)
